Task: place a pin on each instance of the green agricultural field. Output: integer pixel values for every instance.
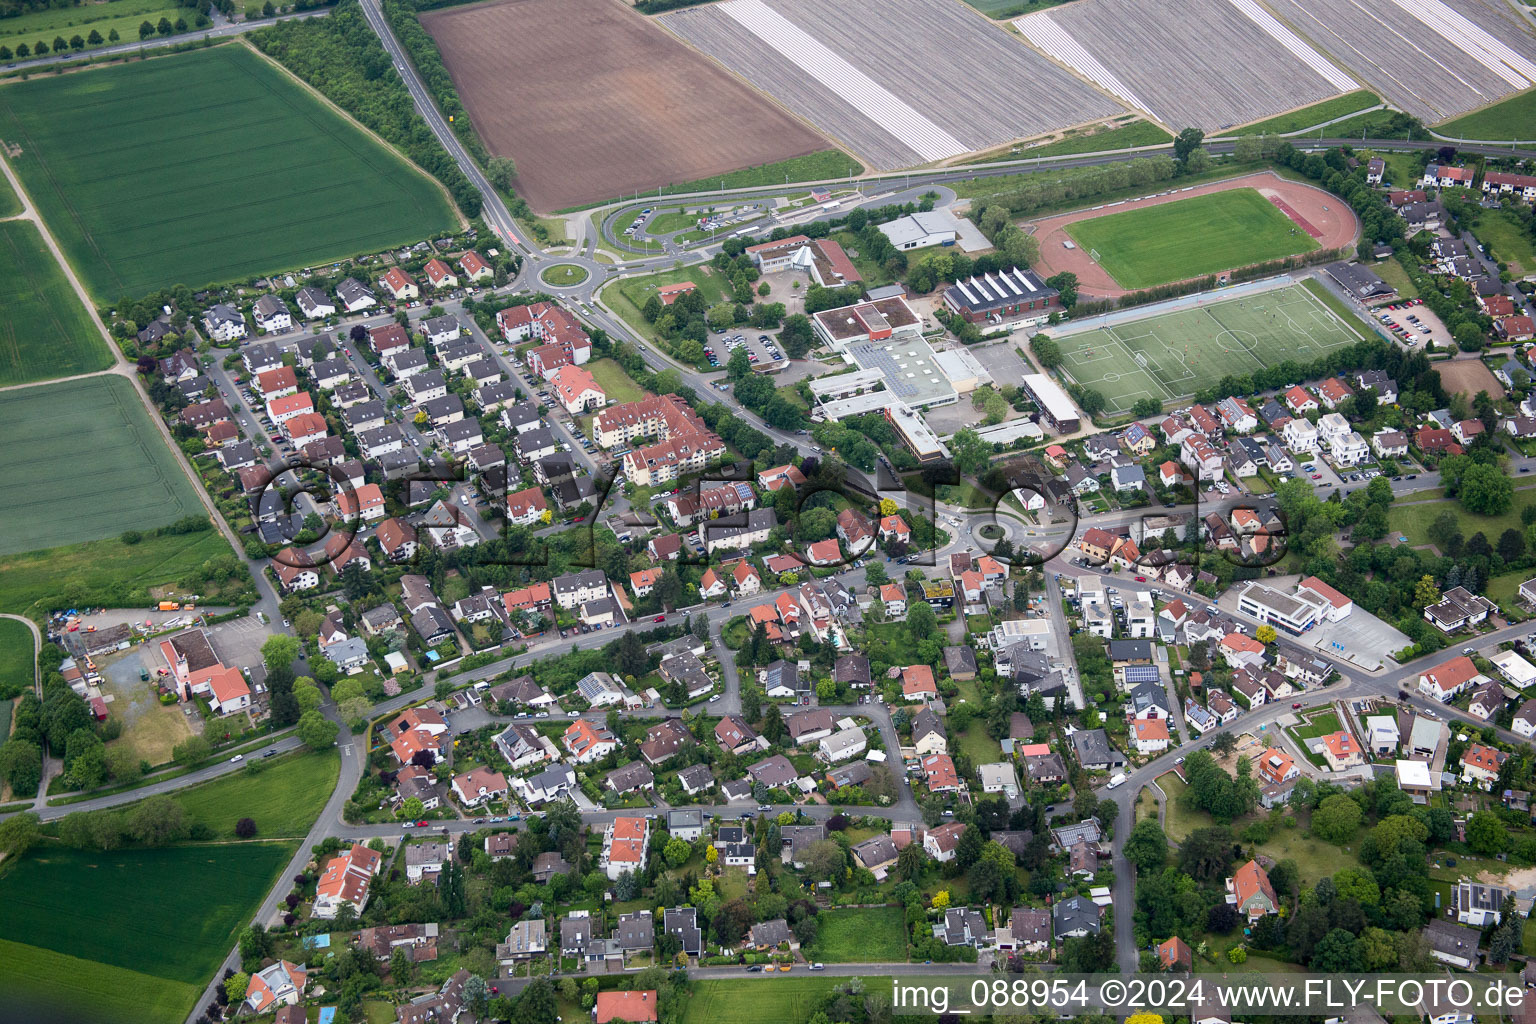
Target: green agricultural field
(1510, 120)
(1174, 355)
(82, 462)
(283, 796)
(114, 574)
(41, 984)
(123, 15)
(780, 998)
(110, 157)
(1316, 114)
(10, 202)
(1178, 241)
(169, 914)
(45, 332)
(18, 665)
(871, 935)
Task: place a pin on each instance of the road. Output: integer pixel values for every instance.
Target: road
(221, 30)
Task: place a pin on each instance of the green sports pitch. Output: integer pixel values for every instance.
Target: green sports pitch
(1176, 354)
(205, 167)
(1190, 238)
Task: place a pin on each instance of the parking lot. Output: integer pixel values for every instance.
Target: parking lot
(1413, 324)
(762, 346)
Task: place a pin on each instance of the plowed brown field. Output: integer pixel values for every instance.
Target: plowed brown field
(593, 100)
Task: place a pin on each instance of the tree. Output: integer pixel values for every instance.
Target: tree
(911, 862)
(1337, 952)
(502, 172)
(163, 27)
(1147, 846)
(157, 820)
(1047, 352)
(941, 900)
(401, 968)
(1425, 593)
(235, 987)
(536, 1004)
(1486, 834)
(1337, 819)
(306, 693)
(191, 751)
(1486, 490)
(316, 731)
(280, 651)
(113, 37)
(1265, 634)
(245, 828)
(1224, 743)
(19, 833)
(1186, 143)
(678, 851)
(94, 38)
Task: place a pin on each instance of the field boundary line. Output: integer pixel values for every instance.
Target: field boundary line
(325, 100)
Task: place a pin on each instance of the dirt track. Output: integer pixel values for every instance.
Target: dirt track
(1332, 218)
(592, 100)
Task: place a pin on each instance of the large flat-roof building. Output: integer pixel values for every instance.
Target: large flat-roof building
(865, 321)
(1054, 404)
(1294, 613)
(1013, 294)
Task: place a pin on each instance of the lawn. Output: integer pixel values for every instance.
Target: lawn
(46, 331)
(872, 935)
(666, 223)
(1315, 859)
(1317, 725)
(1414, 518)
(614, 381)
(1392, 272)
(172, 912)
(282, 181)
(1506, 241)
(827, 164)
(779, 998)
(1316, 114)
(1178, 241)
(18, 658)
(564, 275)
(1173, 355)
(109, 572)
(283, 796)
(123, 15)
(43, 985)
(1502, 122)
(1119, 136)
(1180, 820)
(83, 462)
(978, 746)
(628, 297)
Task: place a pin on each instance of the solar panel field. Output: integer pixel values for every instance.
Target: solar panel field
(205, 167)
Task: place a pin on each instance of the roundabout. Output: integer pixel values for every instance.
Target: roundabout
(564, 275)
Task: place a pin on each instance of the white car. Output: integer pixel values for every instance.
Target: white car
(237, 757)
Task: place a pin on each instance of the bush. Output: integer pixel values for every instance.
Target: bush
(245, 828)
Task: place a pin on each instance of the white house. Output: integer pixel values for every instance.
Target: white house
(1349, 449)
(1300, 436)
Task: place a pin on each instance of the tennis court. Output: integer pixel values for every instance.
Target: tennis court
(1174, 355)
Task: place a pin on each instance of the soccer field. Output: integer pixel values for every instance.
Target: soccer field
(1174, 355)
(205, 167)
(46, 331)
(1190, 238)
(83, 461)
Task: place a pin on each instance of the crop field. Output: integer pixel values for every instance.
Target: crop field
(1316, 114)
(962, 84)
(1204, 63)
(867, 935)
(123, 15)
(164, 917)
(43, 985)
(1515, 118)
(1173, 355)
(1405, 51)
(1177, 241)
(10, 202)
(205, 167)
(45, 331)
(648, 113)
(780, 998)
(83, 461)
